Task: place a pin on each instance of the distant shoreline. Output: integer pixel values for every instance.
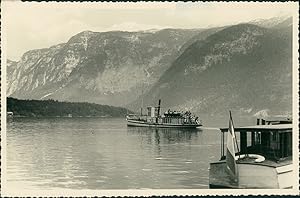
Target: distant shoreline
(20, 116)
(17, 108)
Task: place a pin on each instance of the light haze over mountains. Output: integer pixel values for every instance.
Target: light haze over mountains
(243, 67)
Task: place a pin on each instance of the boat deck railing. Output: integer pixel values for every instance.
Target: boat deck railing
(146, 118)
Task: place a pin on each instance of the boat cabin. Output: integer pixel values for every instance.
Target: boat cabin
(277, 120)
(274, 142)
(263, 158)
(168, 119)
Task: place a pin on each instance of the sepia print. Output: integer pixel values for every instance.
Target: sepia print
(149, 98)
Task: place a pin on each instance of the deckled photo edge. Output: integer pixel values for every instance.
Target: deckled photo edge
(153, 192)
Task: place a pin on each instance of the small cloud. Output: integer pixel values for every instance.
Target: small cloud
(262, 114)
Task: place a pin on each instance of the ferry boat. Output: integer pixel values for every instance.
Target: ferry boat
(170, 119)
(262, 159)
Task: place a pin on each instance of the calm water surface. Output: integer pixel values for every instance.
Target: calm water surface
(103, 153)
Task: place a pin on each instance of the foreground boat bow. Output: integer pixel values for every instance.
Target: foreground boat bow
(263, 159)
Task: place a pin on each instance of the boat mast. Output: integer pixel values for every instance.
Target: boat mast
(142, 102)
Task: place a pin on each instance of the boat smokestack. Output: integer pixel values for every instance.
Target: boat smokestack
(158, 110)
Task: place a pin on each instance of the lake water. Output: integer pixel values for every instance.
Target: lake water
(103, 153)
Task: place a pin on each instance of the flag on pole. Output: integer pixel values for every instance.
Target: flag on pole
(230, 152)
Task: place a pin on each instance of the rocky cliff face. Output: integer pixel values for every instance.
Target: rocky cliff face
(107, 68)
(244, 68)
(272, 22)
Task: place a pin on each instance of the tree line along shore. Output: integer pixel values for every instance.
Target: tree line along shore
(54, 108)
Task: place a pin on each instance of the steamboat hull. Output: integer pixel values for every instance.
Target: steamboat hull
(136, 123)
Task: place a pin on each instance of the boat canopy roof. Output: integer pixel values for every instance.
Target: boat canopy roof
(278, 119)
(280, 128)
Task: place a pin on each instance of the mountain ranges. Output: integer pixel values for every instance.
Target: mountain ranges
(101, 67)
(246, 68)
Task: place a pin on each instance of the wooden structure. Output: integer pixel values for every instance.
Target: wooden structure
(273, 142)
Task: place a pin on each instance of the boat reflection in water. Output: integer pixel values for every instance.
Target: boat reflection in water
(168, 135)
(166, 140)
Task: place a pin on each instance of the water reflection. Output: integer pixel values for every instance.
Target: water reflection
(161, 139)
(106, 154)
(167, 135)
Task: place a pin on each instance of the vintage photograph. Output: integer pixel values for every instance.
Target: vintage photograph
(149, 98)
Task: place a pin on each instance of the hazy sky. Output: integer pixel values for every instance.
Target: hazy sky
(41, 25)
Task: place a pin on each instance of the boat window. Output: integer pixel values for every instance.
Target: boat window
(249, 139)
(274, 136)
(285, 140)
(272, 145)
